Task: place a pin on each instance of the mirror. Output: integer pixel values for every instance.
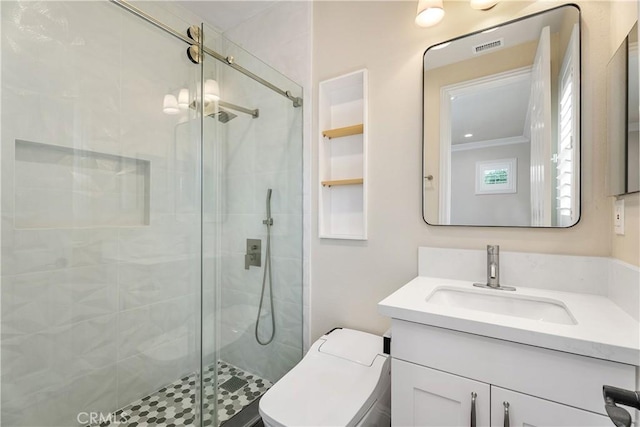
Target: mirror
(501, 143)
(622, 117)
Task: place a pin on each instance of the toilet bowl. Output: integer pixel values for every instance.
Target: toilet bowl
(344, 380)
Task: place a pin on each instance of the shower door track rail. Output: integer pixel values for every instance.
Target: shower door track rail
(297, 101)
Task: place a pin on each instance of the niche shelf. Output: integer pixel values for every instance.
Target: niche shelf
(354, 181)
(342, 120)
(345, 131)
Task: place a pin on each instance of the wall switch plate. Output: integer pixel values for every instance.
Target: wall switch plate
(618, 217)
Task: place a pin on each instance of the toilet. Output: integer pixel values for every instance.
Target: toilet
(344, 380)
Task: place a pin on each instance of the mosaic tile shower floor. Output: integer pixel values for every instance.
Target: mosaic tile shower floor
(174, 404)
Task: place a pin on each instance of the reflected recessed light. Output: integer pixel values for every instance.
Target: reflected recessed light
(468, 135)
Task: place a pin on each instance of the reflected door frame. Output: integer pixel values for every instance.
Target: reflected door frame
(446, 94)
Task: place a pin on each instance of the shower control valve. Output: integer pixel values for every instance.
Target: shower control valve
(253, 254)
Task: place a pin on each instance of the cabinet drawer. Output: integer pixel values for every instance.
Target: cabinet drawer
(427, 397)
(561, 377)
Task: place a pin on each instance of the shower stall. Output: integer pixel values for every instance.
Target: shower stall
(151, 231)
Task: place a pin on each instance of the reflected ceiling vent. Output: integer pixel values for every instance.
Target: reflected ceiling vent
(485, 47)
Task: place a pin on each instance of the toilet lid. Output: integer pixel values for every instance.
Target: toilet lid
(357, 346)
(323, 390)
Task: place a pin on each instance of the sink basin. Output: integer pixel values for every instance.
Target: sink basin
(541, 309)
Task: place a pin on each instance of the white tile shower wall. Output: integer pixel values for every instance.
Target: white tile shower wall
(95, 317)
(281, 36)
(258, 154)
(544, 271)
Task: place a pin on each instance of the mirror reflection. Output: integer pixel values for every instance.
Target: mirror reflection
(623, 175)
(633, 140)
(502, 125)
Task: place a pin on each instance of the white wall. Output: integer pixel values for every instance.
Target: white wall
(349, 278)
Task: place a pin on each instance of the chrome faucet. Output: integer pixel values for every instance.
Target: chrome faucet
(493, 270)
(493, 266)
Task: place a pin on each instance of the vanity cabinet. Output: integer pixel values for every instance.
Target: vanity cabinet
(427, 397)
(442, 377)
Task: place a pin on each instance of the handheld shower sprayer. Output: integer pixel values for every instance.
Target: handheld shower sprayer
(269, 220)
(267, 270)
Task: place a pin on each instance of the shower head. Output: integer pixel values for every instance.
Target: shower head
(224, 116)
(221, 109)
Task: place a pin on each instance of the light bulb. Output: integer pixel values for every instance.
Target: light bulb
(170, 104)
(211, 90)
(183, 99)
(429, 12)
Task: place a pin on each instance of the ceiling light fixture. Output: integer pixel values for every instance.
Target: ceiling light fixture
(170, 104)
(468, 135)
(429, 12)
(211, 90)
(183, 99)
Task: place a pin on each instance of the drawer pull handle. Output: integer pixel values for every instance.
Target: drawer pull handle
(473, 409)
(506, 414)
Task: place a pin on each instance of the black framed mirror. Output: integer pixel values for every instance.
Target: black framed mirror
(501, 123)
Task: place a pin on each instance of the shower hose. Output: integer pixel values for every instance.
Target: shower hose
(267, 271)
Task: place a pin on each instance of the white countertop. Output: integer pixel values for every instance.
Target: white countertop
(603, 330)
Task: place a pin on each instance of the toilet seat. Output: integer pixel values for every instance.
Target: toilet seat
(331, 386)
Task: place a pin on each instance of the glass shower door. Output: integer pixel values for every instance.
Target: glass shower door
(100, 171)
(252, 286)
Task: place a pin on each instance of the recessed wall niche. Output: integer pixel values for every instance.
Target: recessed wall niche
(342, 154)
(63, 187)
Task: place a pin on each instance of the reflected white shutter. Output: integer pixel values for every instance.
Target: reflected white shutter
(567, 157)
(540, 113)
